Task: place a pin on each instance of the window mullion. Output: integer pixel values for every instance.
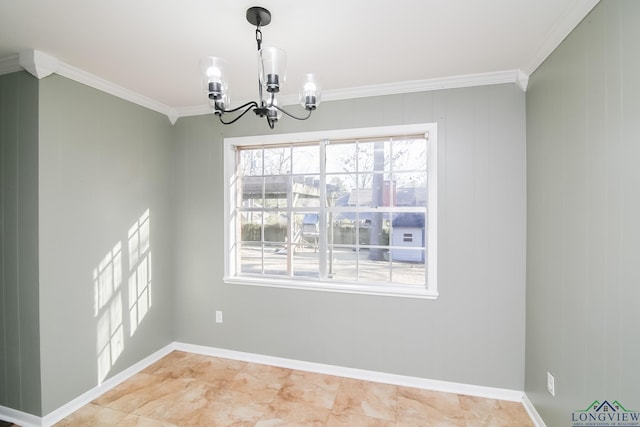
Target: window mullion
(290, 218)
(262, 216)
(322, 214)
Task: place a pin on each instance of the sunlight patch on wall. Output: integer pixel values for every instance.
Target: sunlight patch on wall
(139, 271)
(107, 279)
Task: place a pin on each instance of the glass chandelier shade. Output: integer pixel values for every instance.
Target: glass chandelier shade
(273, 65)
(215, 81)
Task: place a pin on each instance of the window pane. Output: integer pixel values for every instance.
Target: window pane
(362, 195)
(251, 258)
(374, 270)
(276, 189)
(341, 157)
(275, 226)
(306, 191)
(275, 260)
(408, 273)
(252, 191)
(306, 261)
(277, 161)
(343, 232)
(376, 225)
(251, 230)
(340, 188)
(343, 264)
(306, 159)
(407, 248)
(374, 156)
(251, 162)
(381, 191)
(411, 188)
(409, 154)
(306, 227)
(348, 226)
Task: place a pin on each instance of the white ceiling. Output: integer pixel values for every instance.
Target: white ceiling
(153, 47)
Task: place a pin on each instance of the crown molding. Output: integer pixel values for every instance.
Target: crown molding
(517, 77)
(39, 64)
(196, 110)
(560, 30)
(500, 77)
(10, 64)
(103, 85)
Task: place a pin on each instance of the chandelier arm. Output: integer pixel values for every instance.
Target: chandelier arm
(249, 107)
(233, 110)
(292, 115)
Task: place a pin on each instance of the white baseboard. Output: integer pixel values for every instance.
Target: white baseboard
(85, 398)
(533, 413)
(28, 420)
(360, 374)
(20, 418)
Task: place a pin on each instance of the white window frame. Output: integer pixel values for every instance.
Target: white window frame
(430, 291)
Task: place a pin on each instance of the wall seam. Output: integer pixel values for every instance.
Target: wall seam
(2, 279)
(20, 392)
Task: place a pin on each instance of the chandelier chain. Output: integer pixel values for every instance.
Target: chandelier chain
(258, 37)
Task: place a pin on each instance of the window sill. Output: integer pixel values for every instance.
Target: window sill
(349, 288)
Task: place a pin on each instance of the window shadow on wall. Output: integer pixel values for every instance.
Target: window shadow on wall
(109, 294)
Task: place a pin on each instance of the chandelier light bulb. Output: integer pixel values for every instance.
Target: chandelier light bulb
(309, 93)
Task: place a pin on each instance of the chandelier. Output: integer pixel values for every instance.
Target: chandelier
(271, 75)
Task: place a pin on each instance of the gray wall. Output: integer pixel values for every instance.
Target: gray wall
(19, 326)
(474, 332)
(583, 232)
(103, 163)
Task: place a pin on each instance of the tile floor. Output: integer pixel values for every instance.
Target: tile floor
(185, 389)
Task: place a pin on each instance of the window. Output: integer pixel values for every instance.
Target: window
(347, 211)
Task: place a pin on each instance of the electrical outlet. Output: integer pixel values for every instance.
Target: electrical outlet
(551, 384)
(218, 317)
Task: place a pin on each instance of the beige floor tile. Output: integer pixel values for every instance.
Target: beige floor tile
(480, 412)
(138, 421)
(309, 388)
(283, 412)
(366, 398)
(351, 420)
(187, 366)
(138, 391)
(230, 408)
(176, 364)
(93, 415)
(184, 389)
(418, 407)
(216, 371)
(179, 405)
(516, 412)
